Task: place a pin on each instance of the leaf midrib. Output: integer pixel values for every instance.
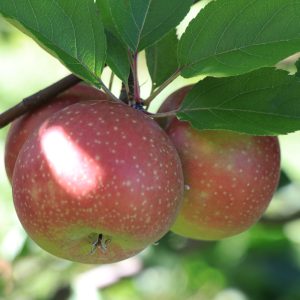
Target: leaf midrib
(159, 24)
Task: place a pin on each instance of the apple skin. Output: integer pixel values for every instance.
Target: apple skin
(230, 179)
(25, 125)
(97, 168)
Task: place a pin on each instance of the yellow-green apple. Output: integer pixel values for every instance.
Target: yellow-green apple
(24, 126)
(97, 183)
(229, 177)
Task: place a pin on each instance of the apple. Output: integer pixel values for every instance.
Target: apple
(97, 183)
(229, 178)
(23, 127)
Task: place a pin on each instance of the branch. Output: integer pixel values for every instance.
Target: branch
(161, 88)
(38, 99)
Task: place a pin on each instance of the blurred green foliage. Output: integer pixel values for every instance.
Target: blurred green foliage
(262, 263)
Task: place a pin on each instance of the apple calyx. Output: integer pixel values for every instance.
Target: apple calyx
(101, 243)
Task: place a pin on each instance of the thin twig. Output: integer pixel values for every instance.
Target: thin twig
(162, 87)
(171, 113)
(111, 80)
(38, 99)
(108, 92)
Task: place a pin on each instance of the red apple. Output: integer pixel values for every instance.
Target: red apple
(97, 183)
(229, 177)
(27, 124)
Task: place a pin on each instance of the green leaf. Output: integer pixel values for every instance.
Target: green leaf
(106, 16)
(284, 180)
(143, 22)
(263, 102)
(117, 57)
(232, 37)
(162, 58)
(117, 53)
(71, 30)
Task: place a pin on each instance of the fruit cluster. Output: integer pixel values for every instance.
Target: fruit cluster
(96, 181)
